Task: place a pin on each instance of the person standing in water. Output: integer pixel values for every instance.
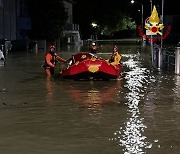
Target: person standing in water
(50, 60)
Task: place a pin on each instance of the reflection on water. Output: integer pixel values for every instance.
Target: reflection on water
(94, 94)
(50, 89)
(131, 135)
(177, 88)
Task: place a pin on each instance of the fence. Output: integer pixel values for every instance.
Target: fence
(169, 59)
(166, 58)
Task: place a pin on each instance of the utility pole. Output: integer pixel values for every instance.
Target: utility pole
(162, 20)
(151, 38)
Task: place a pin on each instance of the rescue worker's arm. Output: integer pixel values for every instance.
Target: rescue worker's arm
(48, 60)
(118, 58)
(60, 59)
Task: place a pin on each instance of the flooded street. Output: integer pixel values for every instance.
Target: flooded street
(140, 113)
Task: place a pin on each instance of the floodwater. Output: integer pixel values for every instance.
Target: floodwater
(139, 113)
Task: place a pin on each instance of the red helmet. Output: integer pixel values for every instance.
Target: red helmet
(51, 46)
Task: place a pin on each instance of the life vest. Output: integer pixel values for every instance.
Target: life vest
(53, 60)
(115, 59)
(112, 58)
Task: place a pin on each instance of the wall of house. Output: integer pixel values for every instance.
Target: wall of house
(173, 21)
(1, 20)
(23, 20)
(8, 19)
(69, 9)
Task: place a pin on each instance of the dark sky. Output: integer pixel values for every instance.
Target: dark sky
(171, 7)
(87, 10)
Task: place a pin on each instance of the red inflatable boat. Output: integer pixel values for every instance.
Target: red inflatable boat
(85, 66)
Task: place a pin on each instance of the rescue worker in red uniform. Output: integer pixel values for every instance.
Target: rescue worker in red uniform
(50, 60)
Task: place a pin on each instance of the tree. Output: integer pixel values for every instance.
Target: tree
(111, 18)
(115, 24)
(48, 19)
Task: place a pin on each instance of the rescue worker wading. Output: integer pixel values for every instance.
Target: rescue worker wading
(50, 60)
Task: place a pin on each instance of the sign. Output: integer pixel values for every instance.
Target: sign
(152, 23)
(153, 28)
(148, 32)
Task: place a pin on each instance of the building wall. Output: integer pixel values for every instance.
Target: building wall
(8, 19)
(14, 20)
(69, 9)
(173, 21)
(23, 20)
(71, 30)
(1, 20)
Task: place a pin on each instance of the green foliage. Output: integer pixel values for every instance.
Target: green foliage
(48, 18)
(116, 23)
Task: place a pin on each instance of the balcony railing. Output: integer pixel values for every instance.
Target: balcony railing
(71, 27)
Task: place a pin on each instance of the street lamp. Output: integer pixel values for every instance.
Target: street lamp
(94, 25)
(151, 5)
(132, 1)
